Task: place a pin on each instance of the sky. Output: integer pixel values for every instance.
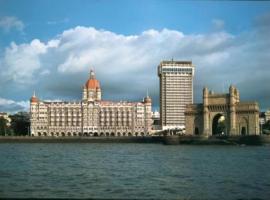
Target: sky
(50, 46)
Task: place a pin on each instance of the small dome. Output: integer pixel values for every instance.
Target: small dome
(147, 100)
(34, 99)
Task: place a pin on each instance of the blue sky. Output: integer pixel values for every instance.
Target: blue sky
(45, 19)
(128, 39)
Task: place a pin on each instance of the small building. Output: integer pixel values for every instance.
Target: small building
(6, 117)
(222, 114)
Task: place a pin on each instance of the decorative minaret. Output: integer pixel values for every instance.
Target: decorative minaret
(84, 96)
(33, 113)
(147, 114)
(233, 100)
(91, 90)
(205, 112)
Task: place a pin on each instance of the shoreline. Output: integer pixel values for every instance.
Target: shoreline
(167, 140)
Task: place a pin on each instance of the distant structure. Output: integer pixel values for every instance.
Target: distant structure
(222, 114)
(156, 121)
(267, 115)
(6, 117)
(261, 121)
(176, 91)
(92, 116)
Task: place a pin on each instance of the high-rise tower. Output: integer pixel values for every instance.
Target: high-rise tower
(176, 91)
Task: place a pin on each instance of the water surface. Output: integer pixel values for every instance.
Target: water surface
(134, 171)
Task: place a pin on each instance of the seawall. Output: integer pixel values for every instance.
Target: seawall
(79, 139)
(168, 140)
(218, 140)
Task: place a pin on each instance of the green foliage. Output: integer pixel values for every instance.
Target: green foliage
(3, 126)
(266, 128)
(20, 123)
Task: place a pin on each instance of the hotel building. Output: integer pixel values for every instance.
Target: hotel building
(176, 91)
(91, 116)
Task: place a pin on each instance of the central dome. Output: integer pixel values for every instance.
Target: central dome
(92, 82)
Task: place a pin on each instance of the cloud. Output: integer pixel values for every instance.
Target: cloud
(218, 24)
(21, 61)
(8, 23)
(55, 22)
(7, 105)
(126, 65)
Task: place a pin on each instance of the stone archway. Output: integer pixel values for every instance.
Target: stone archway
(219, 125)
(243, 126)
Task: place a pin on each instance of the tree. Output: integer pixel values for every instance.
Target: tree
(266, 127)
(20, 123)
(3, 126)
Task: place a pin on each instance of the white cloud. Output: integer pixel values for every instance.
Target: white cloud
(10, 22)
(20, 62)
(126, 65)
(45, 72)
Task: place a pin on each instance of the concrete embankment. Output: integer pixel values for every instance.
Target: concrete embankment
(218, 140)
(168, 140)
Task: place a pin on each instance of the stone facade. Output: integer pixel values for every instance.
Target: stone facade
(239, 118)
(90, 117)
(176, 91)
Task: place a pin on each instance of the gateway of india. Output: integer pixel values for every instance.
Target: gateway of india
(91, 116)
(222, 114)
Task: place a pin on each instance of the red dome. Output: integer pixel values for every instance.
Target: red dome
(92, 84)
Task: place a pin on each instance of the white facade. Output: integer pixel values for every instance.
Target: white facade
(90, 117)
(176, 91)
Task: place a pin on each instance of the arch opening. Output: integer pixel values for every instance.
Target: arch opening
(196, 131)
(243, 130)
(219, 125)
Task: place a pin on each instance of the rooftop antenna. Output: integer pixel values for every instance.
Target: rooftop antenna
(147, 93)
